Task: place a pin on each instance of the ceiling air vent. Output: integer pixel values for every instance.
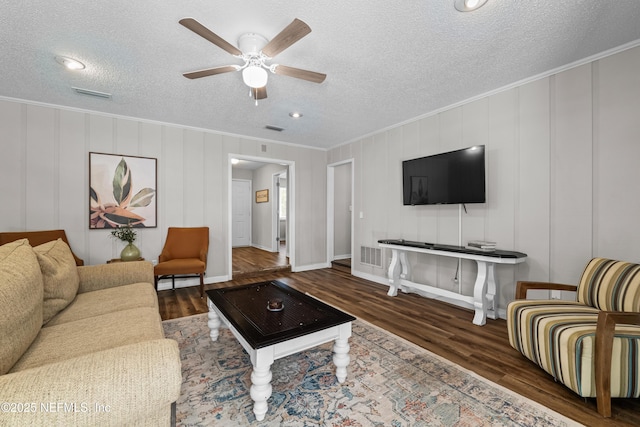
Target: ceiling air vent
(276, 128)
(89, 92)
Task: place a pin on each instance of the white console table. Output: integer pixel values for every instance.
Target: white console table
(485, 297)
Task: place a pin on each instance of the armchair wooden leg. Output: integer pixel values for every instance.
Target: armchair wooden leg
(201, 285)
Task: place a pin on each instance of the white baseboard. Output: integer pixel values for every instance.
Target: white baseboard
(264, 248)
(300, 268)
(371, 277)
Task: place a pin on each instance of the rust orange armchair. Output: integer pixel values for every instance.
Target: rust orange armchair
(184, 255)
(37, 238)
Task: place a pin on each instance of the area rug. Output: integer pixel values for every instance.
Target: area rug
(390, 382)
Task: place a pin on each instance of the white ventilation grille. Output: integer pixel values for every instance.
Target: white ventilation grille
(90, 92)
(371, 256)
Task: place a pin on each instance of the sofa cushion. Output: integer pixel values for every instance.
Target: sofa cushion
(109, 300)
(60, 276)
(20, 301)
(85, 336)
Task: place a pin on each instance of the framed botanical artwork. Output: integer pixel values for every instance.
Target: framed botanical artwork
(122, 191)
(262, 196)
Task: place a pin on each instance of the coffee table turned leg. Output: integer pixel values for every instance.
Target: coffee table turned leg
(214, 324)
(341, 358)
(260, 390)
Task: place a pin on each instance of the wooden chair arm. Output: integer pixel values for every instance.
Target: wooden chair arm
(523, 287)
(607, 321)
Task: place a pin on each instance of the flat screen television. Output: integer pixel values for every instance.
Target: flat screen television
(445, 178)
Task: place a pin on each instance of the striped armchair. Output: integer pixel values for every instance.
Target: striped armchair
(591, 345)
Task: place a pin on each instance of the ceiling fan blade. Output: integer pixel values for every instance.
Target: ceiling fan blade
(291, 34)
(210, 72)
(298, 73)
(259, 93)
(206, 33)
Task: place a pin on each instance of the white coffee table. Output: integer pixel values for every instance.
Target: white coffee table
(267, 336)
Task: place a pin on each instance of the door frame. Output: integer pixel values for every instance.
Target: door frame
(291, 232)
(331, 208)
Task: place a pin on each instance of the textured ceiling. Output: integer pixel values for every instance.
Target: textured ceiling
(386, 61)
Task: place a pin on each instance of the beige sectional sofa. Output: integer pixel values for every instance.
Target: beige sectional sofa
(81, 345)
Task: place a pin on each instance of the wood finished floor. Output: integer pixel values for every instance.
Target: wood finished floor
(436, 326)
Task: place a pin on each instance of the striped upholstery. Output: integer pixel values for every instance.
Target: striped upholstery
(559, 336)
(610, 285)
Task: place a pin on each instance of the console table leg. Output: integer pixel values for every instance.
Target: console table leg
(394, 273)
(213, 323)
(260, 390)
(341, 358)
(480, 295)
(406, 267)
(492, 292)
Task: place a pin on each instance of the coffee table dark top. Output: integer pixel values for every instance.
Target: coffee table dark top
(246, 308)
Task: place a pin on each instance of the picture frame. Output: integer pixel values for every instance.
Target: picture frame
(262, 196)
(122, 191)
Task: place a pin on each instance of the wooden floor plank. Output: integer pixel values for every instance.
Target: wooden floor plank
(441, 328)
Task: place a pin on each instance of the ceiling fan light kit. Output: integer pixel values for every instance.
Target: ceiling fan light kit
(254, 76)
(468, 5)
(255, 50)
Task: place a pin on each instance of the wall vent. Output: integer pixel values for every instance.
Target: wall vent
(90, 92)
(276, 128)
(371, 256)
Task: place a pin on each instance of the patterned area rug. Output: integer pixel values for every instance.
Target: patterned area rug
(390, 382)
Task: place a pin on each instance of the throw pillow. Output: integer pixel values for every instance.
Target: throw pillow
(20, 301)
(60, 275)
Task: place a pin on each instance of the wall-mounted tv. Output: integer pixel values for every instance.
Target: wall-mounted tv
(445, 178)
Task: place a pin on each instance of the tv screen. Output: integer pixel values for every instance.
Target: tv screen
(446, 178)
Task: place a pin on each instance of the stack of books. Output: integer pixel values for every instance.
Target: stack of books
(482, 245)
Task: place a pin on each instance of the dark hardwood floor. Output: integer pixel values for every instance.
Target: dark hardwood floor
(436, 326)
(252, 262)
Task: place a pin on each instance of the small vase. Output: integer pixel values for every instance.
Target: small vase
(130, 253)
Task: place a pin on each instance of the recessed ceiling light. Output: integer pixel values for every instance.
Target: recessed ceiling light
(70, 63)
(295, 115)
(468, 5)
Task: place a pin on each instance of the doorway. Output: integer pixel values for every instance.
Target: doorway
(340, 213)
(264, 251)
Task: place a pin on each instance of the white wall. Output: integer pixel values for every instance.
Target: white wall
(561, 167)
(44, 180)
(562, 177)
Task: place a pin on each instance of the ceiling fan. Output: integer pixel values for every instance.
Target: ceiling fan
(256, 51)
